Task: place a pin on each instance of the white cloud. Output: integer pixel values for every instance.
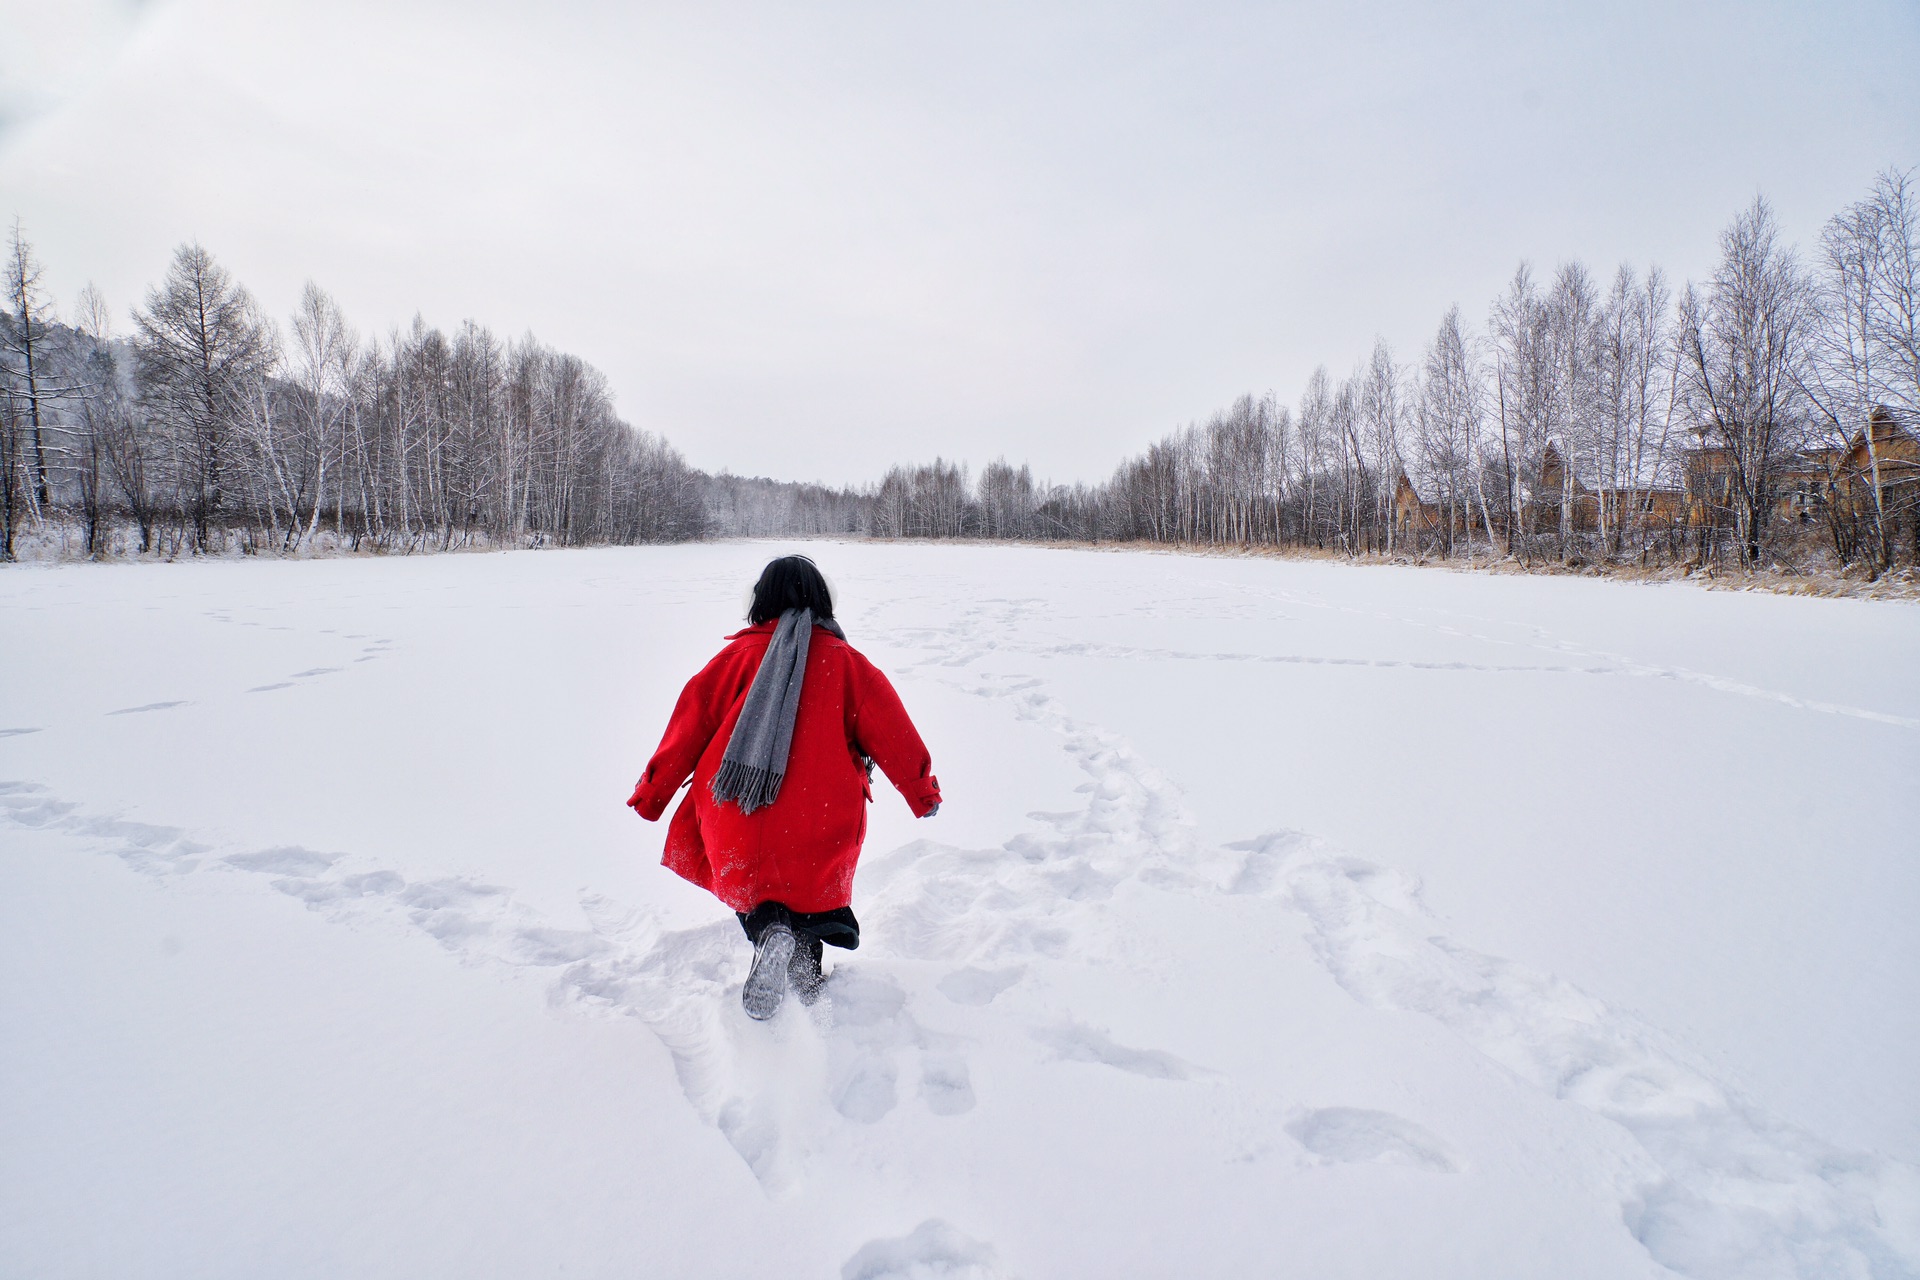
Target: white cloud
(52, 52)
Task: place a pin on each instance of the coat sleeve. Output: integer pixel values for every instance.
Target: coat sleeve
(696, 718)
(881, 729)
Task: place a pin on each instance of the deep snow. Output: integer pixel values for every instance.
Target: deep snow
(1283, 918)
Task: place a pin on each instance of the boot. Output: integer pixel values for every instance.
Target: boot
(803, 971)
(766, 984)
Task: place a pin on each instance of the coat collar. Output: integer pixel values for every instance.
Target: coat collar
(767, 629)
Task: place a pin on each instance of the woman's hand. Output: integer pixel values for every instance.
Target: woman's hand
(929, 813)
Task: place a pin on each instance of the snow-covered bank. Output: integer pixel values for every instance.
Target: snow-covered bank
(1284, 918)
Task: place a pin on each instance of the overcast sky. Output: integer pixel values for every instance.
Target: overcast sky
(808, 240)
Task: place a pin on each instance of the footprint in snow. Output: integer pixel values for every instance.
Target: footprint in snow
(934, 1250)
(289, 860)
(946, 1086)
(319, 894)
(1355, 1135)
(288, 683)
(868, 1013)
(1077, 1042)
(149, 849)
(773, 1097)
(1738, 1191)
(976, 986)
(16, 733)
(151, 706)
(871, 1029)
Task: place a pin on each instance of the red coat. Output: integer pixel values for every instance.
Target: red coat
(801, 849)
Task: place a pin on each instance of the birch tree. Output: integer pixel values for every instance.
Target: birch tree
(1451, 413)
(1743, 347)
(24, 342)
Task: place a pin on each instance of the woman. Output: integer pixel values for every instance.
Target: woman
(780, 733)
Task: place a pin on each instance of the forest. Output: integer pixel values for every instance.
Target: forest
(1587, 421)
(208, 429)
(1766, 415)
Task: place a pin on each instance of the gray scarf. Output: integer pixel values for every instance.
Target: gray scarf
(756, 759)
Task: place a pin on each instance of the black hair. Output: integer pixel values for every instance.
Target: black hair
(791, 582)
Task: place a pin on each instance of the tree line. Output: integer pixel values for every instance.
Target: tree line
(1584, 421)
(1743, 417)
(209, 427)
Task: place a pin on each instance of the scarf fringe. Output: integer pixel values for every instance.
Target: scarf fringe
(746, 786)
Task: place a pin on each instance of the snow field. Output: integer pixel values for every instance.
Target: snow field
(1284, 919)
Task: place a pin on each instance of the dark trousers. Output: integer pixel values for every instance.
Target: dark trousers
(836, 928)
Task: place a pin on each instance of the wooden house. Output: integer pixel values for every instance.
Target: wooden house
(1551, 493)
(1894, 452)
(1803, 485)
(1414, 516)
(1890, 459)
(1643, 506)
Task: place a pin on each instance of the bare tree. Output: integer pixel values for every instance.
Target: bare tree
(1526, 394)
(24, 340)
(1865, 349)
(202, 349)
(116, 448)
(13, 474)
(1356, 480)
(1451, 409)
(102, 410)
(1315, 430)
(1570, 323)
(321, 374)
(1896, 316)
(1007, 501)
(1743, 341)
(1631, 342)
(1381, 410)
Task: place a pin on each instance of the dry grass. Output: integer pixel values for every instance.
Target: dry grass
(1807, 580)
(64, 544)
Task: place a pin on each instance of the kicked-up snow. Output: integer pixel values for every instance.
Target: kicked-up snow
(1282, 919)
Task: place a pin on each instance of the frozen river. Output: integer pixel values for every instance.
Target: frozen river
(1282, 918)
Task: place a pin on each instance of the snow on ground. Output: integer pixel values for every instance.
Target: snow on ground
(1282, 919)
